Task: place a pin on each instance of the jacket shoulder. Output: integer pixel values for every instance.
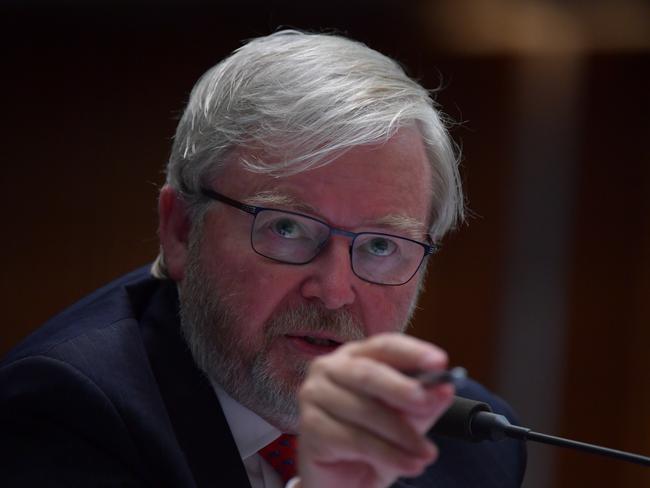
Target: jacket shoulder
(113, 303)
(80, 403)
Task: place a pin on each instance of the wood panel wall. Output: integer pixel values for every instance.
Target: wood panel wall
(91, 102)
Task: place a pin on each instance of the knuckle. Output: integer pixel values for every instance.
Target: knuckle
(383, 343)
(347, 347)
(308, 391)
(382, 338)
(318, 366)
(362, 371)
(309, 418)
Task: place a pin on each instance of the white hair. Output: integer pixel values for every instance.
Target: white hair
(301, 100)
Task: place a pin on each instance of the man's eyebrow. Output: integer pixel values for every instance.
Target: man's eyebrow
(274, 199)
(393, 223)
(403, 224)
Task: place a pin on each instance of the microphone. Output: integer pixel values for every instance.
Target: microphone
(474, 421)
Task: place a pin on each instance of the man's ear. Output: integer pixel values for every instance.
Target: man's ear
(174, 230)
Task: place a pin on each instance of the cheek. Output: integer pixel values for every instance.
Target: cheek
(388, 310)
(256, 290)
(252, 287)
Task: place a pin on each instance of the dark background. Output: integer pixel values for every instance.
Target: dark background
(543, 296)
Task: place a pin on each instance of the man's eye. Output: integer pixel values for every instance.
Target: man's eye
(380, 246)
(287, 228)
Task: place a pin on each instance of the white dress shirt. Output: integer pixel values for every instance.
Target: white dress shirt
(251, 433)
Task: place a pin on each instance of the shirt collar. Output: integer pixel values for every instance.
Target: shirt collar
(250, 431)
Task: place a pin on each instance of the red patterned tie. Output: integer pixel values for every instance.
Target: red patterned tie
(281, 454)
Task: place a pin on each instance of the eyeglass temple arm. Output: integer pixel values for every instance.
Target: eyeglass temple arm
(229, 201)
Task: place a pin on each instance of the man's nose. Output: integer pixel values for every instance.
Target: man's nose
(330, 278)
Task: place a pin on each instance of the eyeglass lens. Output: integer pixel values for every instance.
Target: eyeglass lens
(297, 239)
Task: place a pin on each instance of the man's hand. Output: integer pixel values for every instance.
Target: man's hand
(362, 421)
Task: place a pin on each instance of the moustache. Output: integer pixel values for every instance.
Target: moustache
(315, 319)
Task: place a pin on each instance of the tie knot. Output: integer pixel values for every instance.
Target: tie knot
(281, 455)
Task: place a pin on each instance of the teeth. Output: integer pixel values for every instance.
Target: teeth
(320, 342)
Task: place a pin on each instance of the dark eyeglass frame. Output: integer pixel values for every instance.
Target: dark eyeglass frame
(428, 249)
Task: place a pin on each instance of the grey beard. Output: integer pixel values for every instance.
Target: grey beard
(213, 332)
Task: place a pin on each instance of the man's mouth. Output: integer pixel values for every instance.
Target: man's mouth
(314, 345)
(318, 341)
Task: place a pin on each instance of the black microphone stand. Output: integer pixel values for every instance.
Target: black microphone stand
(475, 421)
(488, 425)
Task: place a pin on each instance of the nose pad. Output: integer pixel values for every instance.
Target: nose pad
(330, 277)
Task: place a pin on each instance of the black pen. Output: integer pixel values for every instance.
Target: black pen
(432, 378)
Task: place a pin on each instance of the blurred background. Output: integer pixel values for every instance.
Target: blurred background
(544, 295)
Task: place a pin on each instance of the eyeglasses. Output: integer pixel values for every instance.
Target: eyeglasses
(294, 238)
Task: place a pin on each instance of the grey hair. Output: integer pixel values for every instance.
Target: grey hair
(301, 100)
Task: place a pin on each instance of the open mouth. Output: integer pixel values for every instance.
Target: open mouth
(314, 345)
(318, 341)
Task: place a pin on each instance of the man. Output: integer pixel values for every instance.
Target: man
(309, 182)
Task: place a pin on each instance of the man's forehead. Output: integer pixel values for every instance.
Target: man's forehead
(386, 185)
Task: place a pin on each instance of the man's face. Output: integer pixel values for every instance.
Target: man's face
(253, 323)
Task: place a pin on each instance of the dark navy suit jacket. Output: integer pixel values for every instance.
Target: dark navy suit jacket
(107, 394)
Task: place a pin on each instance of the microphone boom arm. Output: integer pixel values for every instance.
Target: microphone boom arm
(475, 421)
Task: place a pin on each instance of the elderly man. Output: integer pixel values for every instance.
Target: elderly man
(309, 183)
